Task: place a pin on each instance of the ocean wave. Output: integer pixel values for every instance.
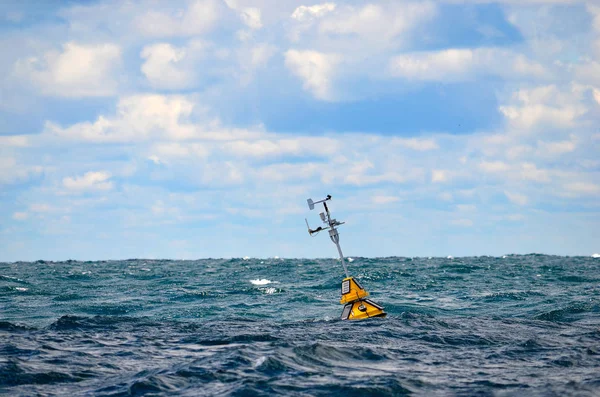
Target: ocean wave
(261, 281)
(477, 325)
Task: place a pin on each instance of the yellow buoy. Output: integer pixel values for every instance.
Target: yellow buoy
(357, 307)
(352, 291)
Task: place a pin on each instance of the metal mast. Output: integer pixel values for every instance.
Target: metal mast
(356, 307)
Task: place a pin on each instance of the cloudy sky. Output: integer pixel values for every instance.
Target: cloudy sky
(193, 129)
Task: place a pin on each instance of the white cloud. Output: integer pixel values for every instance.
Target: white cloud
(515, 217)
(376, 23)
(544, 107)
(595, 12)
(260, 54)
(139, 117)
(156, 160)
(462, 222)
(556, 148)
(199, 18)
(384, 199)
(446, 196)
(588, 71)
(252, 59)
(12, 171)
(360, 179)
(439, 176)
(530, 172)
(280, 147)
(494, 166)
(516, 2)
(306, 13)
(14, 141)
(453, 65)
(516, 198)
(162, 69)
(251, 17)
(597, 95)
(419, 144)
(175, 150)
(20, 216)
(583, 188)
(90, 181)
(285, 172)
(316, 70)
(77, 71)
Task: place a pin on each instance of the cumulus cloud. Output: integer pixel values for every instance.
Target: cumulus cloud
(253, 59)
(286, 172)
(583, 188)
(557, 147)
(76, 71)
(452, 65)
(14, 141)
(384, 199)
(12, 171)
(198, 18)
(166, 152)
(493, 166)
(139, 117)
(251, 17)
(90, 181)
(316, 70)
(439, 176)
(418, 144)
(283, 147)
(375, 24)
(516, 198)
(546, 149)
(462, 222)
(20, 216)
(545, 106)
(306, 13)
(162, 66)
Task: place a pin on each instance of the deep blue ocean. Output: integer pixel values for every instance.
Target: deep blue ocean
(510, 326)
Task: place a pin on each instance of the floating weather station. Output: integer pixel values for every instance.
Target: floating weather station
(354, 296)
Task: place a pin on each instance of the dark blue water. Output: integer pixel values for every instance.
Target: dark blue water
(520, 325)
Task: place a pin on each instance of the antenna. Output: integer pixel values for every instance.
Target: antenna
(356, 307)
(331, 225)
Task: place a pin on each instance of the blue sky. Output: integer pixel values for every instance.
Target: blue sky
(194, 129)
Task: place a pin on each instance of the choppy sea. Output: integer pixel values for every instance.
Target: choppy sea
(514, 326)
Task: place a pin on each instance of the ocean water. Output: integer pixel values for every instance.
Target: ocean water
(517, 325)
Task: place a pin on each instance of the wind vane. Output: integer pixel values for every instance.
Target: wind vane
(357, 307)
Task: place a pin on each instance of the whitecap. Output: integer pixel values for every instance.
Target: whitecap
(595, 255)
(246, 258)
(260, 361)
(449, 257)
(270, 290)
(350, 260)
(261, 281)
(21, 289)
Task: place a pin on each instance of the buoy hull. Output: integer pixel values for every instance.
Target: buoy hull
(362, 309)
(357, 307)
